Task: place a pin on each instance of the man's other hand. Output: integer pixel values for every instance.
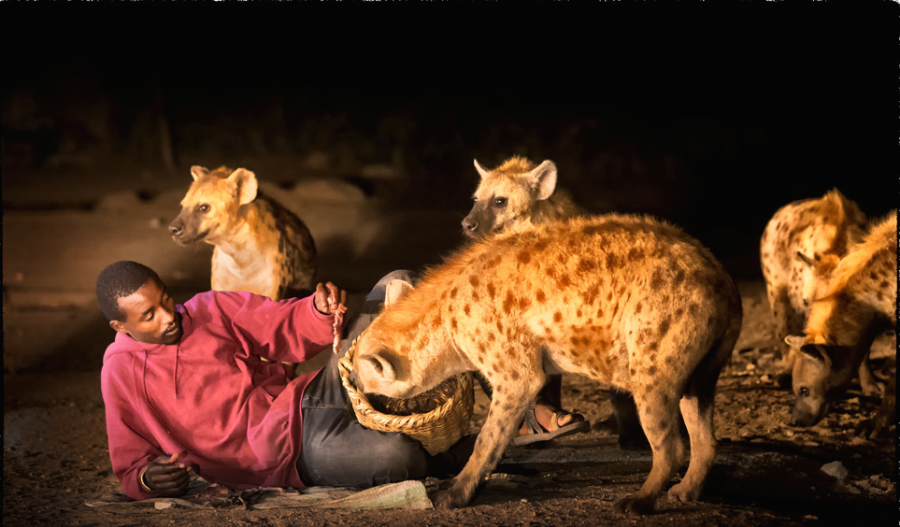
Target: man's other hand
(166, 477)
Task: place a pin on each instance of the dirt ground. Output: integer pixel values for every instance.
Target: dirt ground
(55, 446)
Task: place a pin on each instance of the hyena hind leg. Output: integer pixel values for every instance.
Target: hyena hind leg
(697, 409)
(658, 414)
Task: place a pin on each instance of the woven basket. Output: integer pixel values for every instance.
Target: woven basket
(437, 429)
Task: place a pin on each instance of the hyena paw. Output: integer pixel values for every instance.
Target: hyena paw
(451, 498)
(636, 506)
(684, 492)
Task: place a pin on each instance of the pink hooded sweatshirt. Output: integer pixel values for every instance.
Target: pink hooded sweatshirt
(233, 418)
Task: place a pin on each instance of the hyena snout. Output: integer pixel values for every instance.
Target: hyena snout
(469, 225)
(808, 412)
(184, 231)
(176, 228)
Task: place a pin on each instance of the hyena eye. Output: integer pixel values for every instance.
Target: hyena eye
(204, 208)
(475, 200)
(805, 302)
(499, 202)
(804, 391)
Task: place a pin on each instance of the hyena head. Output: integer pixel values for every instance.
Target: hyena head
(506, 196)
(816, 275)
(380, 370)
(819, 371)
(210, 207)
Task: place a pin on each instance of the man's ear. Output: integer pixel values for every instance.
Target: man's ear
(379, 366)
(543, 179)
(246, 185)
(198, 172)
(395, 290)
(118, 326)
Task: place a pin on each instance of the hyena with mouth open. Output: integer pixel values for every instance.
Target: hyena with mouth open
(260, 246)
(629, 301)
(798, 250)
(516, 196)
(859, 303)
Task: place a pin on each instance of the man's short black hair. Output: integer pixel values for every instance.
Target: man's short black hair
(119, 280)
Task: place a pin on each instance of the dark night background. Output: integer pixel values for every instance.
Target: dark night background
(707, 116)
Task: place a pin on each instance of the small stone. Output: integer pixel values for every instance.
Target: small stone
(751, 366)
(835, 469)
(524, 500)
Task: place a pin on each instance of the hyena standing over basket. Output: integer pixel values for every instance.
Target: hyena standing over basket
(631, 302)
(798, 250)
(260, 246)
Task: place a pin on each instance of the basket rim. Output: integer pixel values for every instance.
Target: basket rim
(362, 404)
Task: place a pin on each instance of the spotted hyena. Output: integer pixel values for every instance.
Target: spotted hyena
(859, 303)
(514, 197)
(799, 249)
(627, 300)
(260, 246)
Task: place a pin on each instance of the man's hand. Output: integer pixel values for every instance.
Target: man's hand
(333, 302)
(165, 477)
(324, 293)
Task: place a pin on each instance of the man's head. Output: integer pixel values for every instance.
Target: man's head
(135, 302)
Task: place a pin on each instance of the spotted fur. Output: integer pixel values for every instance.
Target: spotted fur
(858, 303)
(260, 246)
(629, 301)
(799, 249)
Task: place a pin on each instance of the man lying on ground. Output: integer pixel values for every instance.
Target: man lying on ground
(187, 390)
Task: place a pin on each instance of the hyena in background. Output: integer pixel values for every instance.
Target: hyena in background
(631, 302)
(517, 196)
(260, 246)
(799, 249)
(859, 303)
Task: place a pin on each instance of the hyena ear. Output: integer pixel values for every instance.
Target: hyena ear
(395, 290)
(795, 341)
(806, 259)
(378, 365)
(543, 179)
(246, 184)
(481, 171)
(198, 172)
(817, 351)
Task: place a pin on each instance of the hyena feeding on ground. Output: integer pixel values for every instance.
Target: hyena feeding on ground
(514, 197)
(631, 302)
(260, 246)
(799, 249)
(859, 303)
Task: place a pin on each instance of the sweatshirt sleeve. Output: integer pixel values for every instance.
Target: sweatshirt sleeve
(289, 330)
(129, 450)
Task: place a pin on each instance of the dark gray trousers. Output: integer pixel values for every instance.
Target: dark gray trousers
(336, 449)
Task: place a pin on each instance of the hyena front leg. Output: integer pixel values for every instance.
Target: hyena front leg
(658, 411)
(514, 389)
(782, 315)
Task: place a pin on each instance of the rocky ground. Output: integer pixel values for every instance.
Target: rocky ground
(55, 447)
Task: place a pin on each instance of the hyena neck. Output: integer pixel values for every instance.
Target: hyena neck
(559, 206)
(237, 238)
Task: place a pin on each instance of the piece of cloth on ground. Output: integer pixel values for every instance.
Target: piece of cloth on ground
(410, 494)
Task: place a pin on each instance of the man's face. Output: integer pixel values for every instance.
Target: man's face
(150, 315)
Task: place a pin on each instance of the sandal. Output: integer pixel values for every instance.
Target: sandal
(537, 433)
